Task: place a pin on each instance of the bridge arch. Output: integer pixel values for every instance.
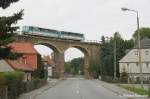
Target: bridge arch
(52, 46)
(58, 58)
(86, 57)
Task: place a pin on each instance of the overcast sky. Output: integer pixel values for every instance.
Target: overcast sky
(94, 18)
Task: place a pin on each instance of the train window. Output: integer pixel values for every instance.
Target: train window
(31, 28)
(36, 29)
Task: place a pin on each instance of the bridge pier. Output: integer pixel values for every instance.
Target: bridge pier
(86, 68)
(59, 65)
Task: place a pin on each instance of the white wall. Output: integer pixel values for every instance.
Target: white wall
(132, 60)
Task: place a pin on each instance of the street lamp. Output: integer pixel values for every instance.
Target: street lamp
(139, 42)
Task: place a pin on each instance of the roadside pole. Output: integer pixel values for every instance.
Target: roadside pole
(149, 88)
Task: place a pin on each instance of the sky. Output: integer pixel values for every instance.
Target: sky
(94, 18)
(70, 53)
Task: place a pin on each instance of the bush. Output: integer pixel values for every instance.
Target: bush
(139, 91)
(109, 79)
(124, 77)
(7, 78)
(2, 80)
(12, 83)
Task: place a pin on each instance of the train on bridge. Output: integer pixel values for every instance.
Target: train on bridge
(38, 31)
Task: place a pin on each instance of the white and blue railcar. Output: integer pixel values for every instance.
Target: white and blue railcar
(31, 30)
(39, 31)
(73, 36)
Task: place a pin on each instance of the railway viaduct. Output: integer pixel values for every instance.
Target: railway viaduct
(59, 46)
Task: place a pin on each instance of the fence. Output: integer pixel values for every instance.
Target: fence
(14, 90)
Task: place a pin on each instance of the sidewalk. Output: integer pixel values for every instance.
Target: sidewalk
(121, 91)
(33, 94)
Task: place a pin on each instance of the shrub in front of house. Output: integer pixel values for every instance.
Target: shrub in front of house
(124, 77)
(12, 81)
(12, 85)
(7, 78)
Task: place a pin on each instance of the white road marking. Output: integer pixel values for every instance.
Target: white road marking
(99, 86)
(77, 92)
(83, 98)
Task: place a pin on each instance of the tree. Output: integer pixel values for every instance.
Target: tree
(7, 29)
(40, 72)
(144, 32)
(6, 3)
(95, 68)
(107, 55)
(77, 65)
(67, 68)
(74, 66)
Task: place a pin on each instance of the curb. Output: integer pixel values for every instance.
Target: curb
(33, 94)
(45, 89)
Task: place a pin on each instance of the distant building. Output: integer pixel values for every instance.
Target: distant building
(49, 64)
(26, 63)
(130, 62)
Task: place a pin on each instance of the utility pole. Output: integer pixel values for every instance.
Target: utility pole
(139, 47)
(115, 59)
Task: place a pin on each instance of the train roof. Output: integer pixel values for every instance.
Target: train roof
(42, 28)
(63, 32)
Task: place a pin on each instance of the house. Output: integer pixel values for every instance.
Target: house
(49, 64)
(27, 62)
(29, 56)
(130, 62)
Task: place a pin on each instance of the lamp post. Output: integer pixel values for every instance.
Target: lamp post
(139, 42)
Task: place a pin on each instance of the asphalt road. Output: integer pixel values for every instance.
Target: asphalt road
(78, 89)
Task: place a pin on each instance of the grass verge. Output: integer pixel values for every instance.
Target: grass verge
(139, 91)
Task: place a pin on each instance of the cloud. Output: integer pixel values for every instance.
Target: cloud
(94, 18)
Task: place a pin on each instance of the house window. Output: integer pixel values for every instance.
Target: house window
(123, 70)
(146, 52)
(128, 64)
(25, 61)
(136, 52)
(147, 64)
(137, 64)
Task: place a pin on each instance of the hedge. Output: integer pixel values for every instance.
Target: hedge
(12, 85)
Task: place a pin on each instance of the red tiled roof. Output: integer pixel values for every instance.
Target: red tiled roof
(48, 60)
(19, 66)
(23, 47)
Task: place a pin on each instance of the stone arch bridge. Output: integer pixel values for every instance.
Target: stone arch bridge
(59, 46)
